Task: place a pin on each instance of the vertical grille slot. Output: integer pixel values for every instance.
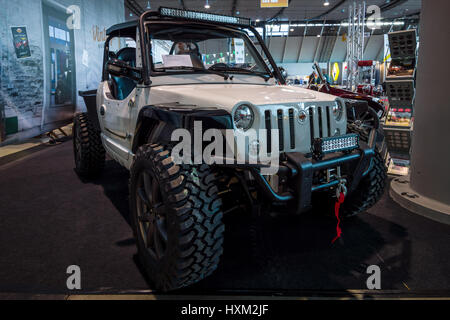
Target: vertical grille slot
(281, 128)
(268, 121)
(328, 113)
(319, 111)
(311, 123)
(292, 128)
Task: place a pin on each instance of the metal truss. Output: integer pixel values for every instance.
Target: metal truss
(355, 41)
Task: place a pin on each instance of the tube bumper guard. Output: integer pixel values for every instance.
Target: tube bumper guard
(301, 169)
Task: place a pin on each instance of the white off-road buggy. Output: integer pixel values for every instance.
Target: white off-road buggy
(173, 70)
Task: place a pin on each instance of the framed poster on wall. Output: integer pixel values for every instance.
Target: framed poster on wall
(20, 41)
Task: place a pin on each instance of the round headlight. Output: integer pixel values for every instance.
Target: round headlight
(338, 111)
(243, 117)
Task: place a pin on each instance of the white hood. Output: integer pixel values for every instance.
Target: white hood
(226, 96)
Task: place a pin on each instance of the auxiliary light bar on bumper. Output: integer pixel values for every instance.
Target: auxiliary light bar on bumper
(300, 168)
(345, 143)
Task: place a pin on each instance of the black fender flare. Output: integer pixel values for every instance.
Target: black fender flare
(90, 99)
(156, 123)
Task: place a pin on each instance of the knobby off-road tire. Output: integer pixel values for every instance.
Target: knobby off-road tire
(176, 218)
(87, 146)
(369, 190)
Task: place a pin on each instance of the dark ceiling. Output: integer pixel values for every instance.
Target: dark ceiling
(298, 9)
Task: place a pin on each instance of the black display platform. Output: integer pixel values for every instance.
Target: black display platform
(50, 219)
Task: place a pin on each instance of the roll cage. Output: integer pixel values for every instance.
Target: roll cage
(126, 30)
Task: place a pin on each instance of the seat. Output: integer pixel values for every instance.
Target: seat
(124, 86)
(194, 52)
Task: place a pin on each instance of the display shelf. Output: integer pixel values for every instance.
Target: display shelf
(401, 93)
(398, 166)
(398, 138)
(399, 117)
(403, 44)
(400, 89)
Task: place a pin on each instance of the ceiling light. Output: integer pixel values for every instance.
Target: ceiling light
(326, 3)
(207, 6)
(318, 36)
(258, 20)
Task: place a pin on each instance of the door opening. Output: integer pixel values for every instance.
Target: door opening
(60, 60)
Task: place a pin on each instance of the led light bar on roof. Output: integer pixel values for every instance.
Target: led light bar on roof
(202, 16)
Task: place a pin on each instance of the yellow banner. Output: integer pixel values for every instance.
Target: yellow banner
(274, 3)
(336, 71)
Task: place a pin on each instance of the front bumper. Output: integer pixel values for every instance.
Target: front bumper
(301, 169)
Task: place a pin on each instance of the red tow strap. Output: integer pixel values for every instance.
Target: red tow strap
(337, 206)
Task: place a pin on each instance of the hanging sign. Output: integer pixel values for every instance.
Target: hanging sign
(20, 41)
(274, 3)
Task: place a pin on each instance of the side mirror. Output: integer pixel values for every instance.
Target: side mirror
(121, 69)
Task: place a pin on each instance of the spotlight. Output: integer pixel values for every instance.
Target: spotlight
(207, 6)
(326, 3)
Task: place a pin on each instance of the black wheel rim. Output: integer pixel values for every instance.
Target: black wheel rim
(363, 122)
(151, 214)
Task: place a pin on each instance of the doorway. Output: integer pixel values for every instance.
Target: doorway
(60, 62)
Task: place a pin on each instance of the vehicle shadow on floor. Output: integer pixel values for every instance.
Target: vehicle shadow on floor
(289, 253)
(114, 182)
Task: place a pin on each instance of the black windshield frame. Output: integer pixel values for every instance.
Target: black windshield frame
(238, 33)
(152, 16)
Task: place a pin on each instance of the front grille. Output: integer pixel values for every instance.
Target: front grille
(295, 136)
(292, 127)
(281, 128)
(320, 122)
(285, 123)
(268, 124)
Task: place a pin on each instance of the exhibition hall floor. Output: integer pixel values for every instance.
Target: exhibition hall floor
(50, 219)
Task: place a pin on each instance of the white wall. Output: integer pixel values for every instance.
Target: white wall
(24, 89)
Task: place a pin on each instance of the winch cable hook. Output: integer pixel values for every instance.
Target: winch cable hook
(341, 192)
